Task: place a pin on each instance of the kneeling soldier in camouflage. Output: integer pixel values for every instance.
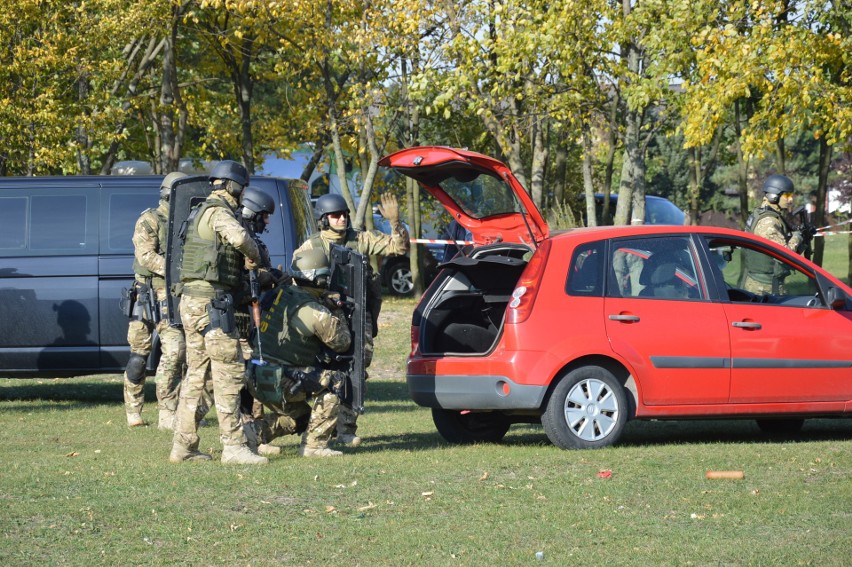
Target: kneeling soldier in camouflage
(295, 329)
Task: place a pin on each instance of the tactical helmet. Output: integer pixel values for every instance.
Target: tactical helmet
(775, 185)
(311, 266)
(329, 203)
(255, 203)
(230, 175)
(168, 181)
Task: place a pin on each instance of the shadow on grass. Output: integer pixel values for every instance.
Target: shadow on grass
(65, 390)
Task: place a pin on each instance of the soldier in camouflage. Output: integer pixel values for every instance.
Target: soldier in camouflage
(149, 266)
(216, 252)
(332, 213)
(763, 275)
(296, 326)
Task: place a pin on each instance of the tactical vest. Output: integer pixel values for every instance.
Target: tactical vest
(214, 261)
(762, 264)
(280, 338)
(162, 238)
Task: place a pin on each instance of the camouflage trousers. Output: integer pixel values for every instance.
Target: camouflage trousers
(296, 413)
(169, 369)
(210, 357)
(347, 422)
(761, 288)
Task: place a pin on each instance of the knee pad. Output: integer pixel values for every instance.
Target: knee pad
(135, 369)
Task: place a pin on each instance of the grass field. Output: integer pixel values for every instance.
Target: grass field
(80, 488)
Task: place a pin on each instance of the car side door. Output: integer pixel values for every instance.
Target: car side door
(787, 343)
(660, 319)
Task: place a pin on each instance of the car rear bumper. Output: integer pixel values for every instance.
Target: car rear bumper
(466, 392)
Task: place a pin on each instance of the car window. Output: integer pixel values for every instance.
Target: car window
(481, 196)
(654, 268)
(752, 274)
(301, 211)
(585, 278)
(13, 223)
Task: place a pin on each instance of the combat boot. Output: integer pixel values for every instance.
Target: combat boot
(268, 450)
(166, 421)
(305, 451)
(135, 420)
(180, 454)
(349, 439)
(241, 455)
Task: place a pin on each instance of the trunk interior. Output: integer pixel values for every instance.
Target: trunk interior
(465, 313)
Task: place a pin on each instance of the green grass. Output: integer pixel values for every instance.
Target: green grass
(80, 488)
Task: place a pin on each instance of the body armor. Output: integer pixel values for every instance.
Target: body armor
(213, 261)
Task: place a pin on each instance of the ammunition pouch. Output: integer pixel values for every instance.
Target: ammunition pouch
(221, 313)
(135, 369)
(269, 382)
(127, 301)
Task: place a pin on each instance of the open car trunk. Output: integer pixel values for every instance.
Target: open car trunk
(464, 311)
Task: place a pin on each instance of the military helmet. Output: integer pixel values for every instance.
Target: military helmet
(775, 185)
(311, 266)
(255, 203)
(330, 203)
(168, 181)
(229, 169)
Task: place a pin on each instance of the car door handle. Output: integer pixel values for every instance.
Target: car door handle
(747, 325)
(625, 318)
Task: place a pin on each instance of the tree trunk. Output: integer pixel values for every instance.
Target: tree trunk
(825, 151)
(171, 107)
(588, 181)
(742, 168)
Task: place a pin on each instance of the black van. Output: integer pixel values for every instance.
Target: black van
(66, 254)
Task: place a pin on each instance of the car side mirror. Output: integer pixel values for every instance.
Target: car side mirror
(835, 298)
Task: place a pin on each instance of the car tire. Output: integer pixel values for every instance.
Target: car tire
(398, 278)
(587, 410)
(471, 427)
(780, 427)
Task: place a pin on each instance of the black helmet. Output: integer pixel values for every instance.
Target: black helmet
(775, 185)
(311, 266)
(255, 202)
(329, 203)
(229, 175)
(228, 169)
(168, 181)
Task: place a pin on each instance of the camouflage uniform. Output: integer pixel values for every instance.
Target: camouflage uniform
(213, 254)
(295, 328)
(150, 265)
(762, 275)
(368, 243)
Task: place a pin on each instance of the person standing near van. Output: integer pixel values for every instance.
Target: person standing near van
(216, 252)
(332, 213)
(149, 267)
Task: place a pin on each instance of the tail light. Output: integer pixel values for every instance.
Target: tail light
(523, 298)
(415, 339)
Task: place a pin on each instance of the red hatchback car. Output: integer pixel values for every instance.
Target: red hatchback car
(585, 329)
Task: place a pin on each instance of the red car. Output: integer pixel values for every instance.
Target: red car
(583, 330)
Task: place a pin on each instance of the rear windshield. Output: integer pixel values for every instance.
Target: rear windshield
(481, 196)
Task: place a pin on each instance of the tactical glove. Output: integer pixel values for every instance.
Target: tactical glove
(390, 208)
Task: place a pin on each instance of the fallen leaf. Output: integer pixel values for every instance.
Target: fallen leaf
(73, 454)
(430, 493)
(605, 474)
(330, 509)
(484, 476)
(369, 506)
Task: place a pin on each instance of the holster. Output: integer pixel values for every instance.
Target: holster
(127, 301)
(221, 313)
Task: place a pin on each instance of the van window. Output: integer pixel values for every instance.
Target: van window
(300, 208)
(58, 224)
(124, 211)
(13, 223)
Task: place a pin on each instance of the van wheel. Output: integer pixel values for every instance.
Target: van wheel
(399, 280)
(780, 427)
(587, 410)
(466, 428)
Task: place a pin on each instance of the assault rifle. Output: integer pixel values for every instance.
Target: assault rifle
(348, 277)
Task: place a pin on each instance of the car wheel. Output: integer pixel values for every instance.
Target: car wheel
(782, 427)
(399, 279)
(470, 427)
(587, 410)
